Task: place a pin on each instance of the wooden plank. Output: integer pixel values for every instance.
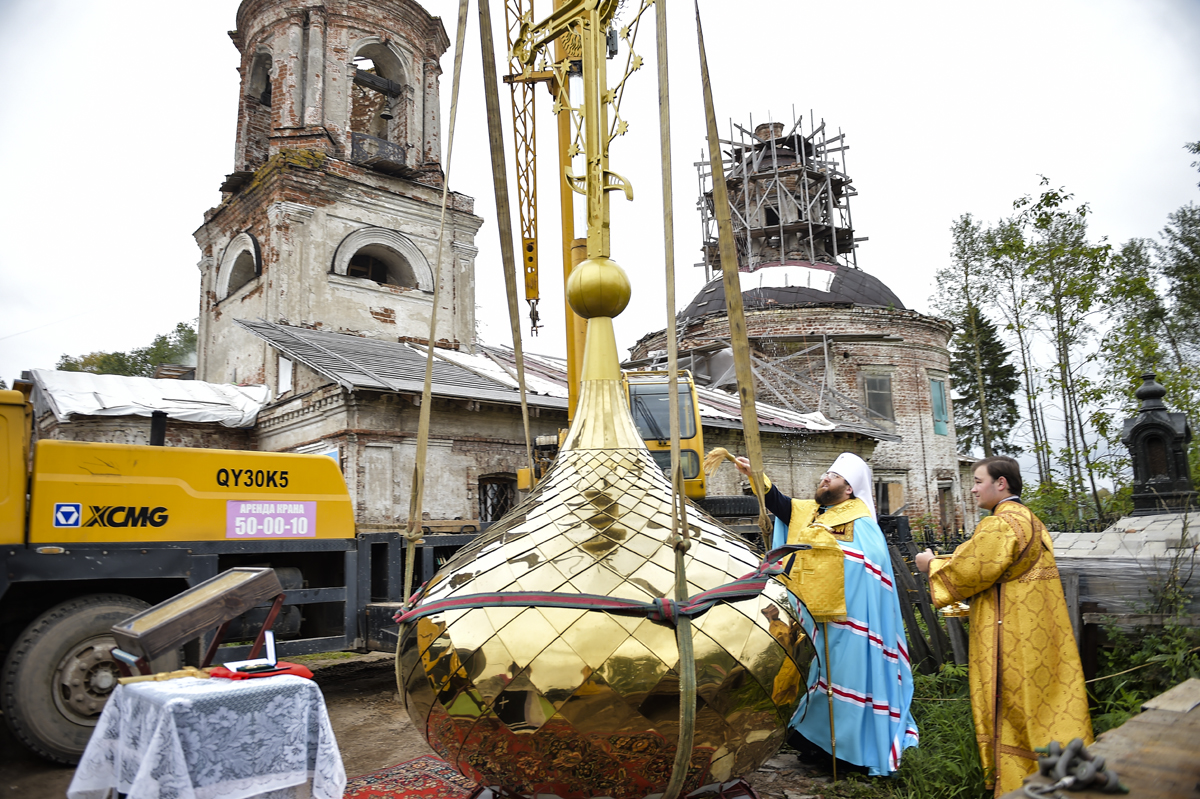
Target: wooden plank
(1181, 699)
(932, 617)
(918, 589)
(197, 610)
(1070, 584)
(958, 641)
(1154, 754)
(1141, 619)
(922, 654)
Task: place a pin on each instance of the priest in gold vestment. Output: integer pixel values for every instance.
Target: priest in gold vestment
(1020, 630)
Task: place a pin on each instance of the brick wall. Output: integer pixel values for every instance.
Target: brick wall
(135, 430)
(313, 96)
(907, 347)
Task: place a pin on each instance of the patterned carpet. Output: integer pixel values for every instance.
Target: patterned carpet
(425, 777)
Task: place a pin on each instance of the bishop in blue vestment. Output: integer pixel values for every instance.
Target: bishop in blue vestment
(868, 666)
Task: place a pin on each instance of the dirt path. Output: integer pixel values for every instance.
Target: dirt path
(369, 721)
(373, 731)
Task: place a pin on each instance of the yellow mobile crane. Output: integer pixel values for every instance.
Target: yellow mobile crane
(92, 533)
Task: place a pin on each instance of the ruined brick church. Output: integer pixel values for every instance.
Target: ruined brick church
(316, 277)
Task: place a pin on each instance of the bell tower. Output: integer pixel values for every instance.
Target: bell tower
(329, 219)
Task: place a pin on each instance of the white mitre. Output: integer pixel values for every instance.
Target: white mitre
(858, 474)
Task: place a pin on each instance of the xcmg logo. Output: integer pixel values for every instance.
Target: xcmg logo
(125, 516)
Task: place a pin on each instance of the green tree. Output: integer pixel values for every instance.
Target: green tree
(1179, 254)
(1010, 254)
(987, 381)
(1068, 274)
(958, 284)
(1154, 306)
(177, 346)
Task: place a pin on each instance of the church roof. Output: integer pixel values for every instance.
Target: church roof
(366, 363)
(489, 375)
(797, 283)
(68, 393)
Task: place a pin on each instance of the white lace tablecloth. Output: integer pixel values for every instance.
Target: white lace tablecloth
(203, 739)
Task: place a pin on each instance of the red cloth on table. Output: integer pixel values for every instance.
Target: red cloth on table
(281, 667)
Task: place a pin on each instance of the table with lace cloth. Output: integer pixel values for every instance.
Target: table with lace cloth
(200, 739)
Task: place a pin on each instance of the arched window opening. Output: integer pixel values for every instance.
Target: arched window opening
(376, 93)
(497, 496)
(258, 112)
(382, 265)
(260, 80)
(241, 263)
(407, 266)
(242, 272)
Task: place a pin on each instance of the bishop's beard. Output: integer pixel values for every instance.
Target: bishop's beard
(826, 497)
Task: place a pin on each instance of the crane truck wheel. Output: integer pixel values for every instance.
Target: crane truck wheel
(60, 672)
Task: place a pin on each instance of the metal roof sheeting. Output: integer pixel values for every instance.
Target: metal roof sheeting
(489, 375)
(67, 393)
(796, 283)
(365, 363)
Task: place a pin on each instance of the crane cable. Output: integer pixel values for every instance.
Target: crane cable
(733, 297)
(417, 496)
(680, 538)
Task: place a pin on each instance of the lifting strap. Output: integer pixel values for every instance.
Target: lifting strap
(417, 496)
(680, 538)
(503, 212)
(733, 297)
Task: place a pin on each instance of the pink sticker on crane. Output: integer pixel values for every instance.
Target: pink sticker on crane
(270, 519)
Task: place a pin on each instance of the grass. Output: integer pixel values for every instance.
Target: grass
(1156, 661)
(338, 655)
(946, 764)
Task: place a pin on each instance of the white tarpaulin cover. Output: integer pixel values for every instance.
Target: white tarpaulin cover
(68, 393)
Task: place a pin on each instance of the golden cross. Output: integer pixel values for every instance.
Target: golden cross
(798, 574)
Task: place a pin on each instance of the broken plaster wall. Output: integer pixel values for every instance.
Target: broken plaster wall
(914, 353)
(793, 461)
(309, 215)
(312, 45)
(135, 430)
(375, 436)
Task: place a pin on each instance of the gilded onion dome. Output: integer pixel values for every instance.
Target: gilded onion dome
(577, 702)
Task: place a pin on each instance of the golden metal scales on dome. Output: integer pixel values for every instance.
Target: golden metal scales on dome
(519, 661)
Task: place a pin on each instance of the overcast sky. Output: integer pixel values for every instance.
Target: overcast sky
(117, 120)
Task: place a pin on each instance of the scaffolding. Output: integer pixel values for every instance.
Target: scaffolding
(789, 195)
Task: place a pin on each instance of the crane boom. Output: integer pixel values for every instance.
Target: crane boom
(525, 143)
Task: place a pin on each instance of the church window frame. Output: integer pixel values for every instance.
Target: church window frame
(877, 385)
(259, 83)
(386, 245)
(939, 401)
(394, 64)
(497, 496)
(241, 265)
(286, 377)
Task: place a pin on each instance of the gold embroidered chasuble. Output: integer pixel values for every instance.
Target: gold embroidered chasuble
(817, 576)
(1020, 630)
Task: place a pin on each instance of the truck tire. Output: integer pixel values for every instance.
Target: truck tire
(60, 672)
(739, 505)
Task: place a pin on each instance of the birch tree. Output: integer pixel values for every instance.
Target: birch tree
(1067, 274)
